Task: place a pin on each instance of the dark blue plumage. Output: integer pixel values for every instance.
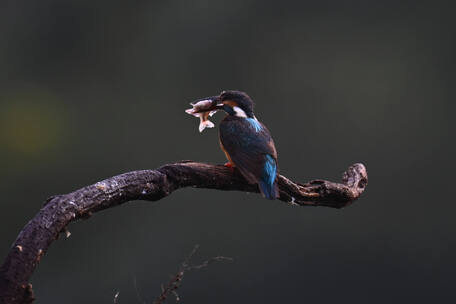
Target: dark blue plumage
(255, 123)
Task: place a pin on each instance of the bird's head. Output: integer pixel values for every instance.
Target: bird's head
(236, 103)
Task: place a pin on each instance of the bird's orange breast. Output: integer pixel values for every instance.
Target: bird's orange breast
(226, 154)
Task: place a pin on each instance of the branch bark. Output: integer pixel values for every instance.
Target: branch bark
(150, 185)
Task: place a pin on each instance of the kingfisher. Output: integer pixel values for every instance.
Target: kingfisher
(246, 142)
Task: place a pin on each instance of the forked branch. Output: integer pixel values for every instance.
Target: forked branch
(150, 185)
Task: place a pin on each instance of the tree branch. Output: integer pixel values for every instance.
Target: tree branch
(151, 185)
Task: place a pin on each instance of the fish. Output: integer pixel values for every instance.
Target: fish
(203, 109)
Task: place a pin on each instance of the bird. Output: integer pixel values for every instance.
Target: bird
(246, 142)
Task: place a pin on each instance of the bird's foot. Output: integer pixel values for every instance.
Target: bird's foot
(229, 165)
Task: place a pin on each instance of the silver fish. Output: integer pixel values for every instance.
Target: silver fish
(203, 109)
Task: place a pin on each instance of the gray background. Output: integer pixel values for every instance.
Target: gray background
(93, 89)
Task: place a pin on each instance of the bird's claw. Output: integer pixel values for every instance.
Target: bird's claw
(228, 165)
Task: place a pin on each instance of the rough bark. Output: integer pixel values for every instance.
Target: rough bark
(150, 185)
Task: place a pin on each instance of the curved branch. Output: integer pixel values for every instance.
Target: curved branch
(151, 185)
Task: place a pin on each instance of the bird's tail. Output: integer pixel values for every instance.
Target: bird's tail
(269, 191)
(268, 181)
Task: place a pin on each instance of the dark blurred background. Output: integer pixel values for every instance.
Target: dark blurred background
(91, 89)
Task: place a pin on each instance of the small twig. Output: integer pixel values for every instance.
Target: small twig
(176, 280)
(186, 261)
(176, 295)
(209, 261)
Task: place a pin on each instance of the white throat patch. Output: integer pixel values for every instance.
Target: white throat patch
(239, 112)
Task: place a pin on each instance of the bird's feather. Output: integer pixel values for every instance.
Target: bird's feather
(267, 183)
(251, 149)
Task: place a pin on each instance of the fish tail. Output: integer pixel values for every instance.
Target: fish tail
(205, 124)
